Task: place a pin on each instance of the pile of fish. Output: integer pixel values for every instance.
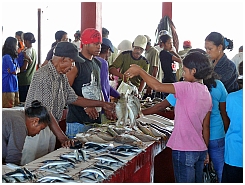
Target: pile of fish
(128, 106)
(19, 175)
(56, 178)
(92, 175)
(124, 135)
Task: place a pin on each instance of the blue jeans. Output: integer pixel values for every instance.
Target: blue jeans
(188, 166)
(216, 149)
(73, 128)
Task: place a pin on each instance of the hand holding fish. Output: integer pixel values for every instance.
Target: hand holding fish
(68, 143)
(91, 112)
(111, 115)
(134, 70)
(109, 106)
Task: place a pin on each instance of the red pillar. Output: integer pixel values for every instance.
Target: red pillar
(167, 9)
(91, 15)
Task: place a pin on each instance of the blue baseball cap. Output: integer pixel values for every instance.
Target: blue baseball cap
(108, 43)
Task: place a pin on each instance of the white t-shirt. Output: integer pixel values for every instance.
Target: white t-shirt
(237, 59)
(78, 44)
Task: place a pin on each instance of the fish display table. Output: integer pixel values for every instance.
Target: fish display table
(137, 168)
(140, 169)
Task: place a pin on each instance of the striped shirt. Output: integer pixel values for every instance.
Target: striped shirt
(51, 89)
(228, 73)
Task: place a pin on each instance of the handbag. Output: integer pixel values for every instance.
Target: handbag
(209, 174)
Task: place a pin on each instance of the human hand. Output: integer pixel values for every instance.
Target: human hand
(91, 112)
(134, 70)
(68, 142)
(111, 77)
(206, 161)
(148, 91)
(111, 115)
(108, 106)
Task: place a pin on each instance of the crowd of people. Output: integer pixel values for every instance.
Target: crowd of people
(204, 87)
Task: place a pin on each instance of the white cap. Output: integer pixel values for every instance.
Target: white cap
(125, 45)
(148, 38)
(140, 41)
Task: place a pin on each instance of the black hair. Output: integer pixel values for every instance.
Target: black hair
(9, 47)
(209, 82)
(197, 50)
(218, 39)
(200, 62)
(240, 68)
(164, 38)
(54, 44)
(77, 34)
(105, 32)
(241, 48)
(59, 34)
(19, 33)
(104, 48)
(37, 110)
(30, 37)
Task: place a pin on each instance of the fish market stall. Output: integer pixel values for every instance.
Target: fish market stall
(123, 151)
(123, 160)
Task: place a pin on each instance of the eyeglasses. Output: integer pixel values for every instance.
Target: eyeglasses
(139, 48)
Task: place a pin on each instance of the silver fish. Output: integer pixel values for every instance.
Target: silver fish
(122, 110)
(109, 158)
(95, 170)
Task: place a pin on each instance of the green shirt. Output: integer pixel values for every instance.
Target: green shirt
(152, 55)
(25, 78)
(113, 56)
(123, 62)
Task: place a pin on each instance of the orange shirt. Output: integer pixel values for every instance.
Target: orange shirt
(21, 46)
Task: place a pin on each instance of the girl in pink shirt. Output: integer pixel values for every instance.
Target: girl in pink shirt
(190, 136)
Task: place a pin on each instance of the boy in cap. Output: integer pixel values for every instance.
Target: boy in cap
(84, 78)
(107, 90)
(126, 58)
(50, 86)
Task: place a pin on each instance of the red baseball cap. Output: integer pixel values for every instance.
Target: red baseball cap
(91, 35)
(187, 43)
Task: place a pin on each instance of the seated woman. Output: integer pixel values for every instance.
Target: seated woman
(16, 125)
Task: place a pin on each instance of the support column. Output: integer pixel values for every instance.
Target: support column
(167, 9)
(91, 15)
(39, 39)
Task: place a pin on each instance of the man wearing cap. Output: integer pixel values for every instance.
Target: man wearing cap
(126, 58)
(50, 86)
(107, 90)
(187, 47)
(152, 55)
(85, 79)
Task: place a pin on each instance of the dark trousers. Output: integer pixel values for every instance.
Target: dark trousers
(232, 174)
(23, 90)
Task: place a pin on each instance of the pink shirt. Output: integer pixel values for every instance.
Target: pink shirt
(193, 101)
